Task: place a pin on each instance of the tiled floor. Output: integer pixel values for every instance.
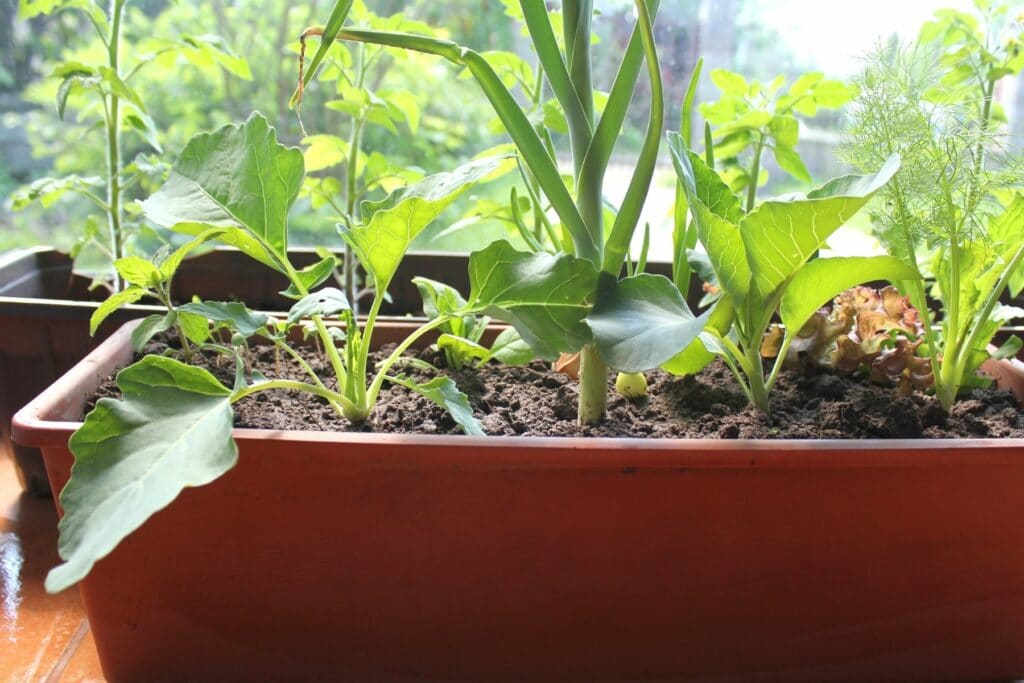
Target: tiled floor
(43, 638)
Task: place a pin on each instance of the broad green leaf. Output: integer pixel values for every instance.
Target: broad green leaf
(779, 236)
(312, 276)
(236, 177)
(231, 313)
(196, 327)
(822, 279)
(544, 296)
(171, 430)
(702, 351)
(151, 326)
(641, 322)
(510, 348)
(112, 303)
(393, 223)
(328, 301)
(716, 213)
(444, 392)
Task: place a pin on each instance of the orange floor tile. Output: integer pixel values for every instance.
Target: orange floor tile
(43, 638)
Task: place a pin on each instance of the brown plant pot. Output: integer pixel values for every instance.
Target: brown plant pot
(45, 309)
(375, 557)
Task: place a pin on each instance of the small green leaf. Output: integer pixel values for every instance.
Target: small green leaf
(438, 298)
(171, 430)
(510, 348)
(544, 296)
(393, 223)
(790, 162)
(822, 279)
(641, 322)
(170, 265)
(138, 271)
(463, 348)
(151, 326)
(729, 83)
(1009, 348)
(114, 302)
(327, 302)
(233, 314)
(444, 392)
(312, 276)
(324, 151)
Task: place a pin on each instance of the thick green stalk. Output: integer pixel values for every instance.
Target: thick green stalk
(593, 402)
(114, 208)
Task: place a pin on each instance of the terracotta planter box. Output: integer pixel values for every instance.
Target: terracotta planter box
(45, 309)
(370, 557)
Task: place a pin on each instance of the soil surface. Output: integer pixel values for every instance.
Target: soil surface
(532, 400)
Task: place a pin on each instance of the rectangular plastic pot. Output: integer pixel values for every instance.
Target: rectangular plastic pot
(45, 309)
(373, 557)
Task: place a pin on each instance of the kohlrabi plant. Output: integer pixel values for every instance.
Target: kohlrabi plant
(172, 427)
(573, 300)
(102, 95)
(951, 207)
(461, 335)
(764, 262)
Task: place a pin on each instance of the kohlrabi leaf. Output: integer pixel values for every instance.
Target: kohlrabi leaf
(237, 177)
(509, 348)
(544, 296)
(327, 301)
(312, 276)
(822, 279)
(717, 214)
(462, 347)
(438, 298)
(641, 322)
(702, 351)
(233, 314)
(133, 456)
(444, 392)
(393, 223)
(780, 236)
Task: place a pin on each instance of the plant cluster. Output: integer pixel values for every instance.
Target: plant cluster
(874, 331)
(574, 289)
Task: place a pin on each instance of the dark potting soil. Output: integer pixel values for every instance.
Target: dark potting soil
(532, 400)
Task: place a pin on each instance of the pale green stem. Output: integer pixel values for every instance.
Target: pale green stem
(114, 214)
(755, 174)
(331, 396)
(378, 380)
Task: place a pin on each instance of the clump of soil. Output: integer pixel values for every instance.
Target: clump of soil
(532, 400)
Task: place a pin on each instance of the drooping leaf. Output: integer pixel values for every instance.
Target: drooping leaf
(236, 177)
(641, 322)
(151, 326)
(231, 313)
(544, 296)
(171, 430)
(112, 303)
(327, 301)
(312, 276)
(510, 348)
(822, 279)
(444, 392)
(438, 298)
(780, 236)
(393, 223)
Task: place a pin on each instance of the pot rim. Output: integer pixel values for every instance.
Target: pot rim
(33, 426)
